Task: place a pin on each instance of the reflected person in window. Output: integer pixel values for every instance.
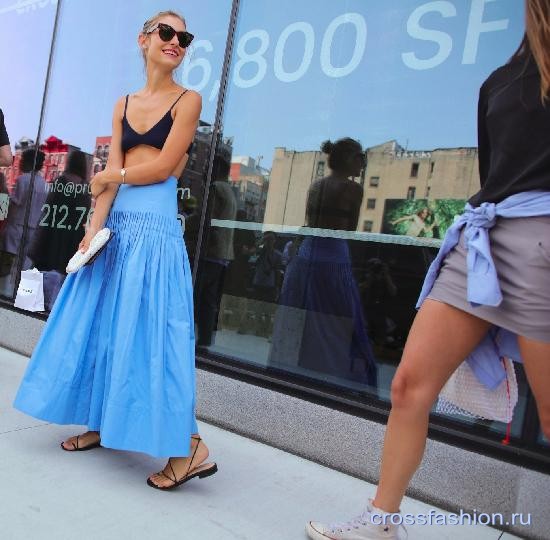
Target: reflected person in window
(487, 294)
(5, 258)
(218, 253)
(4, 203)
(13, 234)
(239, 276)
(319, 326)
(377, 289)
(57, 238)
(266, 281)
(6, 157)
(117, 352)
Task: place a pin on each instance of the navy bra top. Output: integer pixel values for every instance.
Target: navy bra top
(156, 136)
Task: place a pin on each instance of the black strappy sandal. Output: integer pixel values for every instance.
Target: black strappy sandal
(78, 448)
(202, 471)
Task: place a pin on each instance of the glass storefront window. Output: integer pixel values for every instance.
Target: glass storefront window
(23, 77)
(316, 252)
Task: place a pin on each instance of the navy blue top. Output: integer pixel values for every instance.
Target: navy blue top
(156, 136)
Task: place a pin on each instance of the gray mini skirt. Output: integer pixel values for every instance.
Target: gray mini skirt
(521, 251)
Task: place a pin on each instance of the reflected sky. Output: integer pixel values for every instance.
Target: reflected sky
(299, 86)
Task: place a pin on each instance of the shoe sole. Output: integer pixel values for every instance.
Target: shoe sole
(314, 534)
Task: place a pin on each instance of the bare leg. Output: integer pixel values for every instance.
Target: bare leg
(181, 465)
(440, 339)
(536, 361)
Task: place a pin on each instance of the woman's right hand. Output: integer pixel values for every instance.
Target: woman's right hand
(85, 243)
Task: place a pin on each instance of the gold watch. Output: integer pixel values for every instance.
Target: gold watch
(123, 174)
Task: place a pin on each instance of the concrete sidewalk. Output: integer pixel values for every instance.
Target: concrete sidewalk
(260, 493)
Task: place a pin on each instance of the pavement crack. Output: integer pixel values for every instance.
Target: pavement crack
(22, 429)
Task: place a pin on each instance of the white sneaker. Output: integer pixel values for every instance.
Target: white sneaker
(362, 527)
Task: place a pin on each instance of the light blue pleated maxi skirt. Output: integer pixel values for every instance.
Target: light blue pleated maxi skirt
(118, 350)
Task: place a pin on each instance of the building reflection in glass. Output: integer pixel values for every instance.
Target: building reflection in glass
(319, 324)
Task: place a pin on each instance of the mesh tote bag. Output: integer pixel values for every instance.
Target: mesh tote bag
(465, 395)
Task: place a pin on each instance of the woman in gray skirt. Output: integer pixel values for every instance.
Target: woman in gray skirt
(493, 273)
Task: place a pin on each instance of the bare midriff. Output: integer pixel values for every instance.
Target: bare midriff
(144, 153)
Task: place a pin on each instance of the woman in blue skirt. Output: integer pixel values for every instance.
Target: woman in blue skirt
(117, 352)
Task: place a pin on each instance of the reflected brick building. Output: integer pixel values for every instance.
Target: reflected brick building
(101, 153)
(12, 172)
(250, 184)
(292, 174)
(56, 152)
(395, 173)
(391, 173)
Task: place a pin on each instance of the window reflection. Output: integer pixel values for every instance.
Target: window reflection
(20, 101)
(29, 184)
(65, 214)
(319, 324)
(218, 252)
(328, 261)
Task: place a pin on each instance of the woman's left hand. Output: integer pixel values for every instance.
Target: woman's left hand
(99, 182)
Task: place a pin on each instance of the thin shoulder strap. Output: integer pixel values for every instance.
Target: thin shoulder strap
(174, 104)
(126, 104)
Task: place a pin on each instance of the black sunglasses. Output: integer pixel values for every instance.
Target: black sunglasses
(166, 33)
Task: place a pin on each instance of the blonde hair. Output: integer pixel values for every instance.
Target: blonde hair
(152, 20)
(537, 22)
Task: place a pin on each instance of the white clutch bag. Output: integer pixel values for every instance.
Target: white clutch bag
(98, 243)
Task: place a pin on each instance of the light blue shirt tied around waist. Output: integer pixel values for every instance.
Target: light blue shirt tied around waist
(482, 281)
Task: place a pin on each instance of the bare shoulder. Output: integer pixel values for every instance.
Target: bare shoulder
(119, 106)
(190, 100)
(190, 94)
